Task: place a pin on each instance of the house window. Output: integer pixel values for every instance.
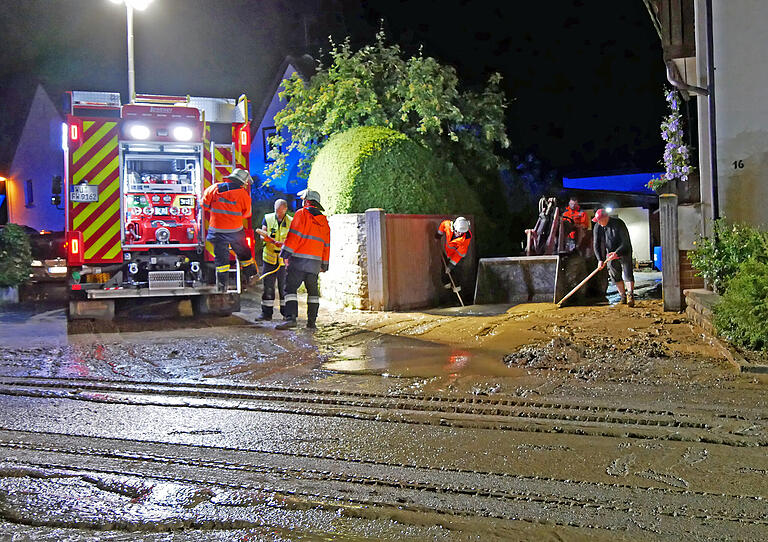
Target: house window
(266, 133)
(29, 196)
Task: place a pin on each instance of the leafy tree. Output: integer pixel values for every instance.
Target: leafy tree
(377, 86)
(15, 256)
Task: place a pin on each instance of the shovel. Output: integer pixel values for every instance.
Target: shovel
(583, 282)
(455, 288)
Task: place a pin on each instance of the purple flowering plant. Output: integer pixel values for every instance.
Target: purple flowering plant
(676, 160)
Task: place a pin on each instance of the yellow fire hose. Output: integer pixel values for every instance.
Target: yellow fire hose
(280, 263)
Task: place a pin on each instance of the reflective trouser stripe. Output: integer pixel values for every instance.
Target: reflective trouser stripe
(291, 297)
(249, 262)
(222, 268)
(313, 299)
(268, 302)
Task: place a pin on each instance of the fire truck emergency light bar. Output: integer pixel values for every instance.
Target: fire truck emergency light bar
(95, 99)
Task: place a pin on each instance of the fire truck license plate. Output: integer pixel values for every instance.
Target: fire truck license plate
(84, 193)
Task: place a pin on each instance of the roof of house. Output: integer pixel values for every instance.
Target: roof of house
(304, 66)
(15, 102)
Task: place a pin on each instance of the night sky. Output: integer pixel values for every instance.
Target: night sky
(584, 77)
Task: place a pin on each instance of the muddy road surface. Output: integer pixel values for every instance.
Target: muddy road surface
(492, 423)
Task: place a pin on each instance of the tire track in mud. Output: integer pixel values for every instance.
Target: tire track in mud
(463, 411)
(507, 413)
(375, 484)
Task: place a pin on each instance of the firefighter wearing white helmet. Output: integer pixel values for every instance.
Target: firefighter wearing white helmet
(455, 237)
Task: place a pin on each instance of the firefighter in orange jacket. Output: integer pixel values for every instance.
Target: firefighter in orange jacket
(578, 219)
(228, 204)
(455, 238)
(306, 251)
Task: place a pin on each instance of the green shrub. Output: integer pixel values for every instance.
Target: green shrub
(741, 316)
(15, 256)
(719, 257)
(375, 167)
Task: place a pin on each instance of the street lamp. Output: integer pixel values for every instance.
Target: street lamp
(130, 5)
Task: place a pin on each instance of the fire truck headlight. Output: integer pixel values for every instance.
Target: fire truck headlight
(139, 131)
(194, 267)
(162, 235)
(182, 133)
(133, 268)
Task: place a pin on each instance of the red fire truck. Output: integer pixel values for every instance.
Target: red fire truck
(135, 176)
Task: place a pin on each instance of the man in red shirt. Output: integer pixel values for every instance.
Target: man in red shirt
(578, 220)
(576, 216)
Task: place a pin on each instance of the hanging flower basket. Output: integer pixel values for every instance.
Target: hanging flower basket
(677, 159)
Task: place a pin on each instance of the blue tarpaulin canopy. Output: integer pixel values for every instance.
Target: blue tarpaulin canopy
(633, 182)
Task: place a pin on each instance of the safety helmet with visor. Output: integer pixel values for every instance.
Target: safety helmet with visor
(461, 225)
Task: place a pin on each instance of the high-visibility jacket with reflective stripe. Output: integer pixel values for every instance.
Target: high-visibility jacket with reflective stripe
(579, 219)
(277, 231)
(308, 243)
(228, 205)
(456, 247)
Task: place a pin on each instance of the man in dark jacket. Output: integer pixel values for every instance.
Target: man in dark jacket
(306, 251)
(613, 248)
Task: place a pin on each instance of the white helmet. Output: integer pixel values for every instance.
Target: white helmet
(461, 225)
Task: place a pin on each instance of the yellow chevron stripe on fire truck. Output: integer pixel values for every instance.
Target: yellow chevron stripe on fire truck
(114, 251)
(108, 213)
(104, 173)
(109, 234)
(88, 144)
(221, 158)
(240, 159)
(103, 197)
(86, 168)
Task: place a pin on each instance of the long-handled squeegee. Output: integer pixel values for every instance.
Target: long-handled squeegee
(456, 289)
(583, 282)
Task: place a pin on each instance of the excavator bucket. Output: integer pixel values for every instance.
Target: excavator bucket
(554, 264)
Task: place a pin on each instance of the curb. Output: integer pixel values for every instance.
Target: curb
(699, 312)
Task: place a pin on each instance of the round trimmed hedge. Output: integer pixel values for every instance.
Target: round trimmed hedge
(376, 167)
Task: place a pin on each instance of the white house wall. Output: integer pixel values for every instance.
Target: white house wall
(741, 99)
(638, 224)
(38, 157)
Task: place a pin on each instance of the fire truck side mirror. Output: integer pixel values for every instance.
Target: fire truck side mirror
(56, 188)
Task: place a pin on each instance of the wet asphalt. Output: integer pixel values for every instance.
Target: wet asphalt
(160, 426)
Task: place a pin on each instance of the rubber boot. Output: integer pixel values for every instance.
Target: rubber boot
(312, 310)
(290, 323)
(222, 282)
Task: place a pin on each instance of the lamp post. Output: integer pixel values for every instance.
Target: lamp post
(130, 5)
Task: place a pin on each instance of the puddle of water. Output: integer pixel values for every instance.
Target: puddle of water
(399, 356)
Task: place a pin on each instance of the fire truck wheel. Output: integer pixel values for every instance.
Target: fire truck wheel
(215, 305)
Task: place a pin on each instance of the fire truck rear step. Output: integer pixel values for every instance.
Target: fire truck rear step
(146, 292)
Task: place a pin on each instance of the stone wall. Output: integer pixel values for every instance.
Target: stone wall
(346, 281)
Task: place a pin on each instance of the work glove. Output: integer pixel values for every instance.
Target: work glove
(323, 267)
(450, 267)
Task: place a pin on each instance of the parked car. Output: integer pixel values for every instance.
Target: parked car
(48, 255)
